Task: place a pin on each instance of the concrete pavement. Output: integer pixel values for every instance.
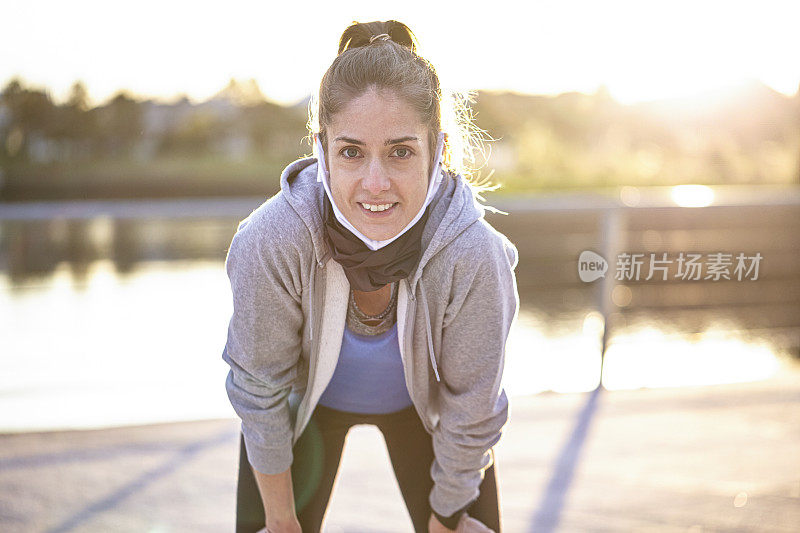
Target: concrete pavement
(711, 458)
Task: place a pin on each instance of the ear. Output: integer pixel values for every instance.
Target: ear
(316, 140)
(446, 153)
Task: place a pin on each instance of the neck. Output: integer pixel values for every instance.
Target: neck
(374, 302)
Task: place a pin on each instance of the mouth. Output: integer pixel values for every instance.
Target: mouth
(377, 209)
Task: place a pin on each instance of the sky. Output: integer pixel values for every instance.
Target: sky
(639, 50)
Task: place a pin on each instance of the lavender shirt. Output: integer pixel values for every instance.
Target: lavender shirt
(369, 375)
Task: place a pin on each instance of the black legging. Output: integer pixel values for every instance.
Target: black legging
(316, 461)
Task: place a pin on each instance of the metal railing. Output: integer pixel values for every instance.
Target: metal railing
(551, 231)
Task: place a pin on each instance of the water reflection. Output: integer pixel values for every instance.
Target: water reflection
(106, 348)
(109, 348)
(541, 358)
(107, 322)
(32, 249)
(652, 357)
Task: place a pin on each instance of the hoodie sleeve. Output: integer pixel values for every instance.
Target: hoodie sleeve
(473, 406)
(264, 341)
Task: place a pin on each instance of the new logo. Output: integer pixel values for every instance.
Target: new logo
(591, 266)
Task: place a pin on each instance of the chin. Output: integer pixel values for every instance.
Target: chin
(381, 230)
(379, 235)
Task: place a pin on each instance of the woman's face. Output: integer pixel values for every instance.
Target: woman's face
(378, 157)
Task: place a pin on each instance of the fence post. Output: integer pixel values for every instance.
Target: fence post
(611, 236)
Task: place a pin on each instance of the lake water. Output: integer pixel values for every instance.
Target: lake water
(96, 347)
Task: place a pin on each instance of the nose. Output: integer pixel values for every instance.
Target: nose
(377, 180)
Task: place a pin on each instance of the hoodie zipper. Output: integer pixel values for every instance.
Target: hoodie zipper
(409, 347)
(319, 266)
(428, 333)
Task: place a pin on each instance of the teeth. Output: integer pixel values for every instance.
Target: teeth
(374, 208)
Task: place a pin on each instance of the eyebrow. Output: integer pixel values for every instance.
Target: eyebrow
(350, 140)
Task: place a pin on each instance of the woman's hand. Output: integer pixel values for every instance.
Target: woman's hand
(277, 496)
(289, 525)
(466, 524)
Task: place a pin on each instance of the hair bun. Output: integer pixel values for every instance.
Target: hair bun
(361, 34)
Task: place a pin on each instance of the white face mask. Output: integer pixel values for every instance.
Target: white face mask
(433, 185)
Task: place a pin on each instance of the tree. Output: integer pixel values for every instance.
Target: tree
(77, 121)
(78, 97)
(31, 113)
(120, 122)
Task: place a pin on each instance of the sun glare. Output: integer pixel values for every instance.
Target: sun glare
(638, 50)
(651, 357)
(648, 356)
(692, 195)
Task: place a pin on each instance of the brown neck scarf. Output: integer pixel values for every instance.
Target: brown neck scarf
(369, 270)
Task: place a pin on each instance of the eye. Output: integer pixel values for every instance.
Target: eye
(349, 152)
(403, 153)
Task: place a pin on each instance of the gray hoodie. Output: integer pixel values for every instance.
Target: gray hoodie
(453, 317)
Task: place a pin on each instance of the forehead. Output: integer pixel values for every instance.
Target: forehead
(376, 114)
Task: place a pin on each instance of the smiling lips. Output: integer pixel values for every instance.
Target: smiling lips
(376, 208)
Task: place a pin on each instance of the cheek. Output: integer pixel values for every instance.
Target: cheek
(341, 187)
(419, 190)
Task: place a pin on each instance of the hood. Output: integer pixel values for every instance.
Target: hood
(452, 210)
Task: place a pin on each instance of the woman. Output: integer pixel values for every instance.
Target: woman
(371, 290)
